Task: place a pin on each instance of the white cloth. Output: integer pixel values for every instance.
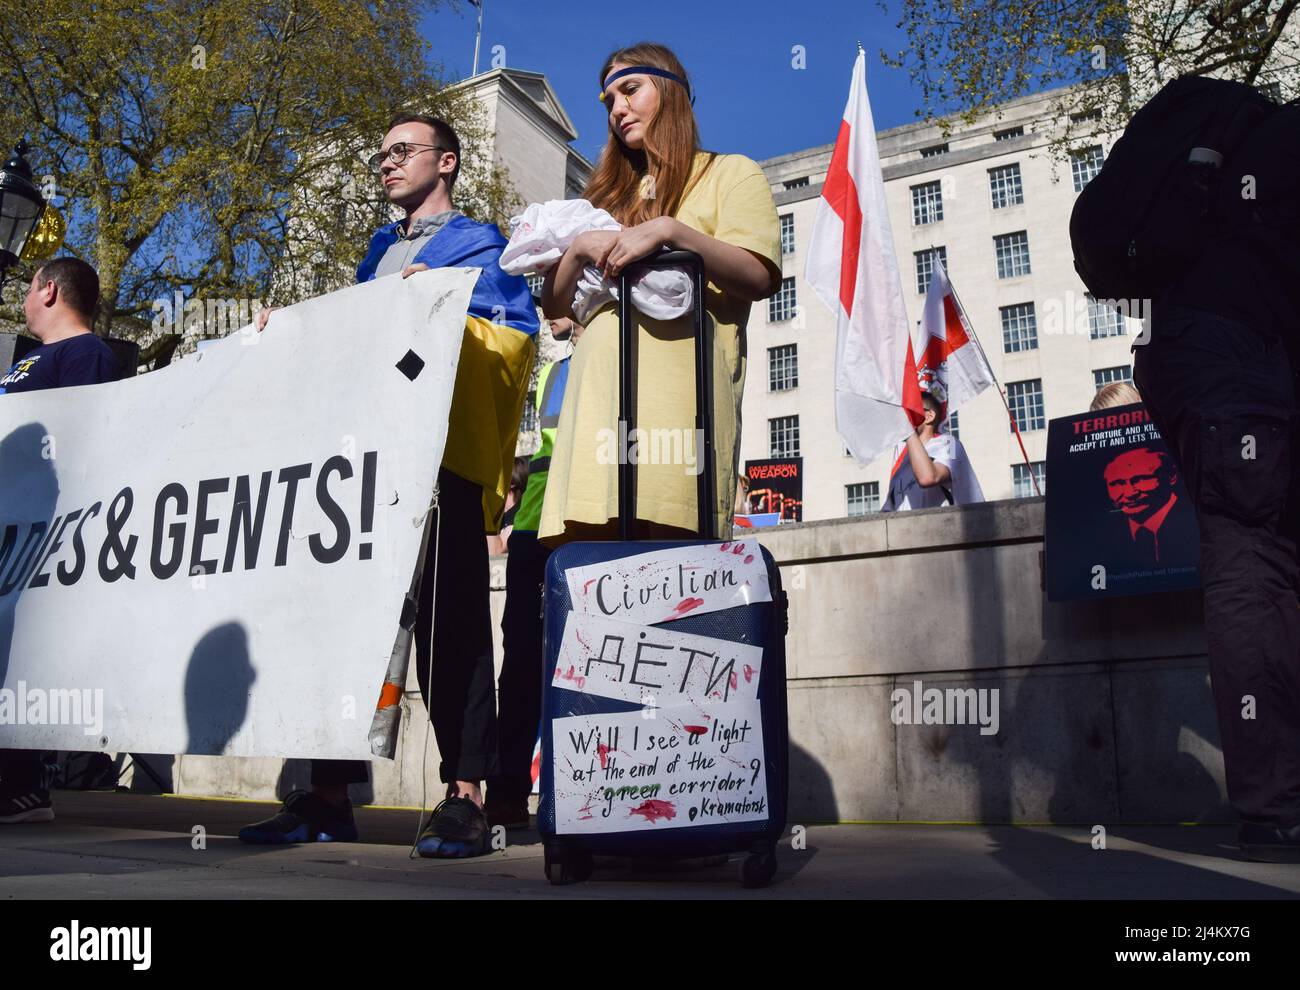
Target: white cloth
(544, 231)
(947, 450)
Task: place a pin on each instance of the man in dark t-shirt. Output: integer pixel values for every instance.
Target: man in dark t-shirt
(80, 360)
(70, 353)
(59, 308)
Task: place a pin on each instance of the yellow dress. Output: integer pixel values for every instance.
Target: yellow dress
(731, 202)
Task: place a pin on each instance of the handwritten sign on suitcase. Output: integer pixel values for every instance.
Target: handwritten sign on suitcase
(693, 755)
(688, 765)
(667, 584)
(653, 665)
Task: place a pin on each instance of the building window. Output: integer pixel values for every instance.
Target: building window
(1013, 254)
(781, 306)
(1021, 484)
(1104, 376)
(925, 266)
(1104, 321)
(1025, 399)
(787, 233)
(1008, 133)
(927, 204)
(535, 283)
(953, 427)
(1005, 187)
(935, 150)
(782, 368)
(1084, 165)
(863, 498)
(798, 183)
(1019, 328)
(783, 437)
(1086, 117)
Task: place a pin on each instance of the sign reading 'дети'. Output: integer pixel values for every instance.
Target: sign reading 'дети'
(653, 665)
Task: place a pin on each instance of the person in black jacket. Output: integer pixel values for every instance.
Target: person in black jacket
(1218, 376)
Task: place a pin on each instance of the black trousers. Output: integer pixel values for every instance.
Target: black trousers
(22, 771)
(519, 695)
(1224, 397)
(458, 691)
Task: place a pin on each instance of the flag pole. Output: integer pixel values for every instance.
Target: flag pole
(1015, 427)
(478, 36)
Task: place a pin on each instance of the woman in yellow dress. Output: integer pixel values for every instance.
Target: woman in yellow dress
(655, 180)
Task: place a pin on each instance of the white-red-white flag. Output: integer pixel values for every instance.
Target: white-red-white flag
(944, 358)
(852, 268)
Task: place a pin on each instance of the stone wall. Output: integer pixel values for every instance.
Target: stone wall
(1104, 709)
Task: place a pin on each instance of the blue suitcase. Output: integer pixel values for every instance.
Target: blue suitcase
(700, 779)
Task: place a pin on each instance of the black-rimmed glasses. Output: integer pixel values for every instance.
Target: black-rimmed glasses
(399, 152)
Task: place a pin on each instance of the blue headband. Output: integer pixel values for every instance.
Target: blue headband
(647, 70)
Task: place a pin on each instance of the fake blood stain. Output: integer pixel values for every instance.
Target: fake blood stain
(654, 810)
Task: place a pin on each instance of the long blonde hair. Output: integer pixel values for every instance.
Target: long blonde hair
(672, 138)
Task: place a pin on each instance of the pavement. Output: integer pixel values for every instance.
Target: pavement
(121, 845)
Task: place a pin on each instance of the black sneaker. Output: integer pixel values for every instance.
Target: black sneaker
(1270, 843)
(33, 806)
(303, 817)
(456, 829)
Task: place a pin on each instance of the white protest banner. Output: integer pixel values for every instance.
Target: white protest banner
(212, 558)
(689, 766)
(653, 665)
(666, 584)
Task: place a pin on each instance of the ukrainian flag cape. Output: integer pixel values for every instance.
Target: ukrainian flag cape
(496, 357)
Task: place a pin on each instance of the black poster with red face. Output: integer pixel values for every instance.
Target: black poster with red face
(776, 486)
(1119, 519)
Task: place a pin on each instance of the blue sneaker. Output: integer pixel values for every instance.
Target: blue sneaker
(303, 817)
(456, 829)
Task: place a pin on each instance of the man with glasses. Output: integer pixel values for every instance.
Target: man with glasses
(418, 163)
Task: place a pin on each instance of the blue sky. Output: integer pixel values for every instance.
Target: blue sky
(750, 100)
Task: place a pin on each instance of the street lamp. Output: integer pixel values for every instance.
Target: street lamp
(21, 205)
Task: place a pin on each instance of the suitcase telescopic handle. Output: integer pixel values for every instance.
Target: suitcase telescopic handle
(706, 481)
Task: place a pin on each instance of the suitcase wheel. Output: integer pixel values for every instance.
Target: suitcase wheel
(758, 868)
(566, 866)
